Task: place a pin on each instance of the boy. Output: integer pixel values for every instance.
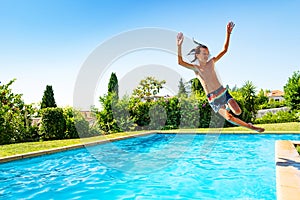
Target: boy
(218, 97)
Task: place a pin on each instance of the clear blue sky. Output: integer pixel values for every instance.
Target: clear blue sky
(46, 42)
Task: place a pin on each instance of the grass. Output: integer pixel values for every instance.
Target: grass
(21, 148)
(291, 127)
(298, 148)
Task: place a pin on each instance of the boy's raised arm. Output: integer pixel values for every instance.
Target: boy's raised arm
(230, 26)
(180, 60)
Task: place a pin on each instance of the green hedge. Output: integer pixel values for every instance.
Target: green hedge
(164, 113)
(53, 124)
(272, 104)
(279, 117)
(76, 125)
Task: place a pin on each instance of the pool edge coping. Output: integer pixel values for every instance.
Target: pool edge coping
(287, 161)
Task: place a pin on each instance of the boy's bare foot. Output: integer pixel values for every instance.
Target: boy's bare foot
(258, 129)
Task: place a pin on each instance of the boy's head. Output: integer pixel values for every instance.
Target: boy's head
(201, 52)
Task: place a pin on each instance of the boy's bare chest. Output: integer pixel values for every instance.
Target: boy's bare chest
(208, 68)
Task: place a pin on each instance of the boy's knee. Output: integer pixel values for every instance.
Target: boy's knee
(228, 116)
(238, 112)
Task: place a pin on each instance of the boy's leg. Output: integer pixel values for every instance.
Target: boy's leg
(234, 106)
(229, 117)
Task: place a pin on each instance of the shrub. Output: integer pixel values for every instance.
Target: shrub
(82, 126)
(105, 117)
(158, 114)
(189, 113)
(71, 131)
(53, 124)
(140, 113)
(76, 124)
(122, 116)
(272, 104)
(172, 107)
(15, 117)
(292, 91)
(279, 117)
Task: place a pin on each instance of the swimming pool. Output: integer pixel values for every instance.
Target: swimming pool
(157, 166)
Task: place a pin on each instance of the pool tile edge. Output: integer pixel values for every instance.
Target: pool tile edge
(287, 170)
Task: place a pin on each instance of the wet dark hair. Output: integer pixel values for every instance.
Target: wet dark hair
(197, 49)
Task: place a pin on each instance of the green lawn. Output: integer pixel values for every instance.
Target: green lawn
(14, 149)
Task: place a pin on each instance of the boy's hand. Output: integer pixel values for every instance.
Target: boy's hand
(230, 26)
(179, 39)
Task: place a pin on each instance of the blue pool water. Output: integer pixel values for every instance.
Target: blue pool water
(158, 166)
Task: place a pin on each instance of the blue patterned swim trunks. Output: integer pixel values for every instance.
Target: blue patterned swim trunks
(218, 98)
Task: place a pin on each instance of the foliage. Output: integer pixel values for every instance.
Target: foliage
(292, 91)
(15, 117)
(48, 100)
(105, 118)
(76, 125)
(181, 89)
(272, 104)
(196, 87)
(189, 113)
(205, 114)
(261, 98)
(82, 126)
(158, 114)
(69, 116)
(148, 87)
(172, 108)
(53, 124)
(248, 102)
(122, 115)
(279, 117)
(140, 113)
(113, 85)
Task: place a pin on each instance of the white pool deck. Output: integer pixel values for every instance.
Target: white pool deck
(287, 170)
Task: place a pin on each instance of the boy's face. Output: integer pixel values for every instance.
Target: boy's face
(203, 55)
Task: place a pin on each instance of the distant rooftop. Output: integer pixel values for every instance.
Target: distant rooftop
(275, 93)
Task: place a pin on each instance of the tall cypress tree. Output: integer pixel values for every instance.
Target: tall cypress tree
(48, 98)
(182, 91)
(113, 85)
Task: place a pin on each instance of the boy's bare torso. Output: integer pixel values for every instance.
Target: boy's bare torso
(207, 76)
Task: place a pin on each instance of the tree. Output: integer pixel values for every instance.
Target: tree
(292, 91)
(105, 117)
(113, 85)
(148, 87)
(76, 124)
(196, 86)
(182, 90)
(15, 117)
(53, 124)
(250, 108)
(48, 100)
(261, 97)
